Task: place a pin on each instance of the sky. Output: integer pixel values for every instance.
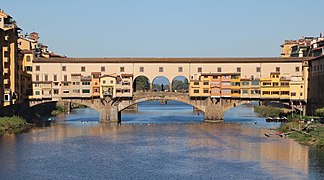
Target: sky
(167, 28)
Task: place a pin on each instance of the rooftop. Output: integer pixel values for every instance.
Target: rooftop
(170, 60)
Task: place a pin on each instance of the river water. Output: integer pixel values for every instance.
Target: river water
(158, 142)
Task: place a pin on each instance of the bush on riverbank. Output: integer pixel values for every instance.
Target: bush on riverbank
(59, 110)
(268, 111)
(12, 125)
(319, 112)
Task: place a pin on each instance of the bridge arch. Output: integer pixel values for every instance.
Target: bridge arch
(180, 84)
(161, 83)
(179, 98)
(141, 83)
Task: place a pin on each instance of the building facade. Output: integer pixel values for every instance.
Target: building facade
(10, 67)
(250, 78)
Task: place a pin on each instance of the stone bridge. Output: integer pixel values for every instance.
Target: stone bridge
(110, 109)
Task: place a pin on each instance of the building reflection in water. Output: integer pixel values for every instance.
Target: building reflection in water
(218, 141)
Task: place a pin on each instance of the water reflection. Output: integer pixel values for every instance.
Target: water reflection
(72, 149)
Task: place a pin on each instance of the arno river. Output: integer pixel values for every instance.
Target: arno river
(159, 142)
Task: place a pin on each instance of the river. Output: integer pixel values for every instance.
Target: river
(157, 142)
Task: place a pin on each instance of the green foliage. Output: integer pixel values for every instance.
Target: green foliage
(12, 124)
(302, 138)
(59, 110)
(284, 127)
(268, 111)
(142, 83)
(319, 112)
(180, 86)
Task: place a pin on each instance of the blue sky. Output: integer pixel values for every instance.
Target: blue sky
(167, 28)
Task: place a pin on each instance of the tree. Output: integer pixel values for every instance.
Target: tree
(142, 83)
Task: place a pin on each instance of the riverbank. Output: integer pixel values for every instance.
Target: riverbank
(308, 133)
(13, 125)
(305, 133)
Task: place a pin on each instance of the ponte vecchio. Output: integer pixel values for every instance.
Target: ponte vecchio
(215, 84)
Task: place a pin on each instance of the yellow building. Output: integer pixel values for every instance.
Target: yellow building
(235, 86)
(200, 86)
(270, 86)
(10, 66)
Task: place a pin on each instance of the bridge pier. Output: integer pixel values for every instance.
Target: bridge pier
(214, 111)
(110, 114)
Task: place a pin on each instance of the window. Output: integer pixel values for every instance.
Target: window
(37, 92)
(28, 59)
(37, 77)
(196, 91)
(245, 83)
(160, 69)
(6, 54)
(258, 69)
(46, 77)
(301, 94)
(83, 69)
(245, 91)
(103, 68)
(275, 92)
(285, 93)
(206, 83)
(196, 83)
(238, 69)
(277, 69)
(55, 77)
(63, 68)
(255, 91)
(65, 77)
(56, 91)
(65, 84)
(122, 69)
(28, 68)
(293, 94)
(141, 69)
(215, 77)
(297, 68)
(76, 90)
(199, 69)
(275, 84)
(265, 92)
(85, 90)
(219, 69)
(111, 82)
(206, 91)
(180, 69)
(66, 91)
(86, 83)
(37, 68)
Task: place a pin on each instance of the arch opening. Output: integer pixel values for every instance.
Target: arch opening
(161, 84)
(153, 112)
(180, 84)
(141, 84)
